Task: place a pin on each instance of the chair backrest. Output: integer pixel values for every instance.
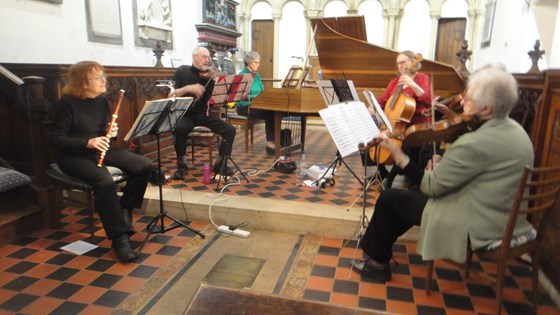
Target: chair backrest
(537, 195)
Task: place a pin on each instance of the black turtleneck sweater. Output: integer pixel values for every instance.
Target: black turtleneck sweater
(76, 121)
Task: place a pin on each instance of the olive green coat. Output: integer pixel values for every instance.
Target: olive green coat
(472, 190)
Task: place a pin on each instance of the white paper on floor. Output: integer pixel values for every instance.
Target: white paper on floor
(79, 247)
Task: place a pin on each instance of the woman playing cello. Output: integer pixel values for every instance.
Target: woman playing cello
(415, 85)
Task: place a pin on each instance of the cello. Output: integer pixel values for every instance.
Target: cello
(399, 111)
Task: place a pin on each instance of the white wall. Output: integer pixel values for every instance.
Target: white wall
(513, 35)
(38, 32)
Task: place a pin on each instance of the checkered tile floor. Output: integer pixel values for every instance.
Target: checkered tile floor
(328, 278)
(36, 277)
(320, 150)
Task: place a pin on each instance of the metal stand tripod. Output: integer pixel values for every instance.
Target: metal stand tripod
(338, 160)
(157, 225)
(364, 222)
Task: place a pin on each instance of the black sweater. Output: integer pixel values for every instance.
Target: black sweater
(75, 122)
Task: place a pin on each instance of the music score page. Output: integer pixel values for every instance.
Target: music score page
(349, 125)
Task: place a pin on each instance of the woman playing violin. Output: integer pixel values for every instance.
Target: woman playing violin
(465, 195)
(415, 85)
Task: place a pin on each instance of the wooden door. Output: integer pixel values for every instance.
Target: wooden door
(450, 36)
(262, 41)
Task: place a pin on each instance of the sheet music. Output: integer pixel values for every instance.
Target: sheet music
(151, 112)
(379, 112)
(332, 89)
(349, 125)
(231, 88)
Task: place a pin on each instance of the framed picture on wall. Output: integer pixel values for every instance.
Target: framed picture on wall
(153, 22)
(104, 21)
(220, 12)
(488, 23)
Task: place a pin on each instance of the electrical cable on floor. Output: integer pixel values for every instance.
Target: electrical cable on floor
(250, 172)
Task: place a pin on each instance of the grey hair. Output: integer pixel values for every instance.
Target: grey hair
(250, 56)
(197, 50)
(495, 88)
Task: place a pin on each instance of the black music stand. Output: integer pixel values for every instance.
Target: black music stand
(230, 88)
(337, 91)
(157, 117)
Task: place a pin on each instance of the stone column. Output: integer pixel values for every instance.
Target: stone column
(434, 15)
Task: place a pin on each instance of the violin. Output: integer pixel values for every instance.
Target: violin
(453, 104)
(399, 110)
(211, 73)
(447, 130)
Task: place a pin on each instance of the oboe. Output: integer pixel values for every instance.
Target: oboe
(113, 120)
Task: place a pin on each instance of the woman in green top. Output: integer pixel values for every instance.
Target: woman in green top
(252, 63)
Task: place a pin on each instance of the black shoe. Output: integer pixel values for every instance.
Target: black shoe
(181, 172)
(270, 151)
(218, 169)
(364, 268)
(121, 246)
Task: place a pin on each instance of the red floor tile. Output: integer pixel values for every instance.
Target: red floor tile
(344, 299)
(87, 295)
(97, 310)
(44, 305)
(41, 287)
(319, 283)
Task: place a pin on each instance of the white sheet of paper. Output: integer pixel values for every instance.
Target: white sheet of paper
(377, 108)
(349, 125)
(79, 247)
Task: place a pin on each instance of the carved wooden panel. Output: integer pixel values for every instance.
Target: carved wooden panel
(546, 141)
(139, 84)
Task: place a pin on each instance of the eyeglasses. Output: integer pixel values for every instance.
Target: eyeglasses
(402, 62)
(99, 78)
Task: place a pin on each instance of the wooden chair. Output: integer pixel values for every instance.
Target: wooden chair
(67, 182)
(536, 198)
(202, 135)
(247, 124)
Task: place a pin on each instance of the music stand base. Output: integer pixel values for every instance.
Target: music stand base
(159, 218)
(157, 226)
(224, 167)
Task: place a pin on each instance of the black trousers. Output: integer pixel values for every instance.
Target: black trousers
(191, 120)
(106, 200)
(266, 115)
(396, 211)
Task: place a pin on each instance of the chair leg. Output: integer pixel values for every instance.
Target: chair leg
(468, 263)
(535, 281)
(210, 149)
(252, 130)
(91, 210)
(192, 151)
(247, 138)
(501, 265)
(429, 274)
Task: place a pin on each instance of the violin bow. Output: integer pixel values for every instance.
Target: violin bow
(433, 108)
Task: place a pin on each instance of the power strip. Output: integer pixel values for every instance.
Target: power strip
(237, 232)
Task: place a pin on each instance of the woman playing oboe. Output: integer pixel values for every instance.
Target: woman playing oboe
(79, 135)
